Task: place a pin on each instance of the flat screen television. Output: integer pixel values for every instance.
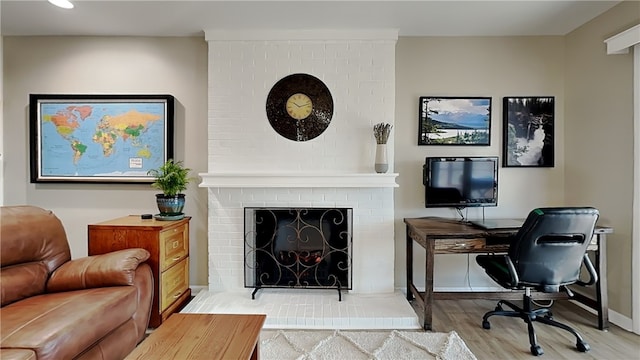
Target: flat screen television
(460, 181)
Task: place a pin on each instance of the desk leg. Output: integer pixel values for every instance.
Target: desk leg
(428, 284)
(409, 263)
(601, 285)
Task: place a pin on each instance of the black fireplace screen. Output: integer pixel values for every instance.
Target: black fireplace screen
(298, 247)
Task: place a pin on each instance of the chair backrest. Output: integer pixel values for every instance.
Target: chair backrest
(549, 248)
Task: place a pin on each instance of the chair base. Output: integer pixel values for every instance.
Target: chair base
(530, 315)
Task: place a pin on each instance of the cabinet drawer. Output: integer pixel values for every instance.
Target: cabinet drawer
(174, 246)
(174, 282)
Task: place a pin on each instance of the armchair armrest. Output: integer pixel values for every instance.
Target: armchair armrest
(112, 269)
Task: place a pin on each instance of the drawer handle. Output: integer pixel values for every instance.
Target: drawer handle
(177, 295)
(176, 258)
(175, 244)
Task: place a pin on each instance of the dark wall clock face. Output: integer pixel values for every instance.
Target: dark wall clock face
(299, 107)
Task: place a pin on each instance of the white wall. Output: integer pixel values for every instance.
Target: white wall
(473, 66)
(101, 65)
(360, 74)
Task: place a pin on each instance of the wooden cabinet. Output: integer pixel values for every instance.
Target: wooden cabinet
(168, 243)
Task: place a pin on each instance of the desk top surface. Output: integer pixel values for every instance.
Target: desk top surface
(442, 228)
(437, 227)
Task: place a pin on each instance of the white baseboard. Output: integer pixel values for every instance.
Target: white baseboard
(614, 317)
(466, 288)
(195, 289)
(620, 320)
(457, 289)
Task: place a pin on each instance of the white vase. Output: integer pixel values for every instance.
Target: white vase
(381, 163)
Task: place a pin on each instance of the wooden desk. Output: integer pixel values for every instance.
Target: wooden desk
(203, 336)
(449, 236)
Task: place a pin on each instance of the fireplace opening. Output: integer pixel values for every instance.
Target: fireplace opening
(298, 248)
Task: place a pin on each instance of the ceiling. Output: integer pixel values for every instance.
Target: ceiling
(190, 18)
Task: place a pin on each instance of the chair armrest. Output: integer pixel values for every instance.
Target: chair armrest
(512, 271)
(593, 275)
(112, 269)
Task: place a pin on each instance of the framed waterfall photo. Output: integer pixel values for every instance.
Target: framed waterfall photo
(99, 138)
(528, 131)
(454, 121)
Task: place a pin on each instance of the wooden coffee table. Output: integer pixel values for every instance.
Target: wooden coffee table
(203, 336)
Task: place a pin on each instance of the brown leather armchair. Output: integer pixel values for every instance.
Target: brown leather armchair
(52, 307)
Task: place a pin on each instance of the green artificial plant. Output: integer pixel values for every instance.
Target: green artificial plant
(172, 177)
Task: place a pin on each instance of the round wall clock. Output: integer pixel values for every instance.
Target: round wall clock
(299, 107)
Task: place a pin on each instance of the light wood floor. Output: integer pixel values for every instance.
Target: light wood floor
(508, 339)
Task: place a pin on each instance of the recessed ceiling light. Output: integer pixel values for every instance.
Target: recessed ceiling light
(65, 4)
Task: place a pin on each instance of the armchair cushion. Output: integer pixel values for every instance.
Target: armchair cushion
(18, 354)
(34, 244)
(21, 281)
(113, 269)
(62, 325)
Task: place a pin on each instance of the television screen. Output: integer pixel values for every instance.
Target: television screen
(460, 181)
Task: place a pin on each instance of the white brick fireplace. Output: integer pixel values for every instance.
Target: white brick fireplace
(250, 165)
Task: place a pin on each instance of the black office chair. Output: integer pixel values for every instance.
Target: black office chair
(546, 255)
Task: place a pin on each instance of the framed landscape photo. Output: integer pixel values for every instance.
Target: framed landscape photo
(99, 138)
(528, 131)
(454, 121)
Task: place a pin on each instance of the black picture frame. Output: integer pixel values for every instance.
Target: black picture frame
(528, 131)
(99, 138)
(444, 120)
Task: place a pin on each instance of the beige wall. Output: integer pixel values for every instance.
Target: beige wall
(473, 66)
(99, 65)
(599, 137)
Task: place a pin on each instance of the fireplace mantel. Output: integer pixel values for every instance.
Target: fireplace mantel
(298, 180)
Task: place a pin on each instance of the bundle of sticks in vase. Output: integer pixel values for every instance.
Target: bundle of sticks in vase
(381, 132)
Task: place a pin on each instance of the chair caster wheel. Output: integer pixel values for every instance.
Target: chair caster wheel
(486, 325)
(583, 346)
(536, 350)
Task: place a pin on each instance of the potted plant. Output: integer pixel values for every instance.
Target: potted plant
(172, 178)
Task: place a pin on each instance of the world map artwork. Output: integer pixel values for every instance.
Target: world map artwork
(110, 139)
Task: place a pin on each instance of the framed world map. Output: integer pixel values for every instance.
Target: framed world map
(99, 138)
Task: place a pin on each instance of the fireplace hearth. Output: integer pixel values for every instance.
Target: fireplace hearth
(298, 248)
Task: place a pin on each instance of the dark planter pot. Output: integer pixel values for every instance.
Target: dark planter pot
(170, 205)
